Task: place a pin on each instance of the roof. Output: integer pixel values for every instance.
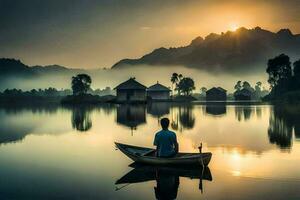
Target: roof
(217, 88)
(158, 87)
(130, 84)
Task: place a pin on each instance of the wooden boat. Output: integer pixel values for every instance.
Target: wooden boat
(147, 156)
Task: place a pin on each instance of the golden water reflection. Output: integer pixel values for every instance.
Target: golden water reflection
(253, 147)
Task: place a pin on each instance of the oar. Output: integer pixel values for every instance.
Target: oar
(200, 150)
(119, 188)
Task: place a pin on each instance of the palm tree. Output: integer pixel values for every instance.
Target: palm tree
(180, 76)
(174, 79)
(238, 86)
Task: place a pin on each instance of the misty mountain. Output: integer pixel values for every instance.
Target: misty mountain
(239, 51)
(49, 69)
(13, 67)
(14, 73)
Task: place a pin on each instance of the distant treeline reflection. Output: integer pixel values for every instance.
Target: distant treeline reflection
(284, 122)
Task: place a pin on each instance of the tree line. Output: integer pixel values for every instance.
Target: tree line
(186, 85)
(52, 92)
(284, 78)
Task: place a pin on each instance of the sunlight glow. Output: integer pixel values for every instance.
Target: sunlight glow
(236, 173)
(233, 27)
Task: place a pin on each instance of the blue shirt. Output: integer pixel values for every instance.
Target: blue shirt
(165, 140)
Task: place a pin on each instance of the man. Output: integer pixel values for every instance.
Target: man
(165, 141)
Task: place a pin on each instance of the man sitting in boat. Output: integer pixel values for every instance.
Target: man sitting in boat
(166, 141)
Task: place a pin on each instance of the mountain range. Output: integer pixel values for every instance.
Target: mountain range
(242, 54)
(11, 66)
(234, 51)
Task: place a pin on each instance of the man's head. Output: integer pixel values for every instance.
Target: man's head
(164, 122)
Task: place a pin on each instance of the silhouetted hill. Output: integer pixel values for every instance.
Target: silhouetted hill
(238, 51)
(14, 67)
(15, 74)
(49, 68)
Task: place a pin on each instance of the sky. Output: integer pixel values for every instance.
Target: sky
(97, 34)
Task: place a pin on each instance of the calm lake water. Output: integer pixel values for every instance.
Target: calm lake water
(68, 153)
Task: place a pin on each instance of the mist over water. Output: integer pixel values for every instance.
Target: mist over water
(147, 75)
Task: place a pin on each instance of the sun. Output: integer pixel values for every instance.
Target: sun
(233, 27)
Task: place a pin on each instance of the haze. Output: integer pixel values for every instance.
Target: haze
(97, 34)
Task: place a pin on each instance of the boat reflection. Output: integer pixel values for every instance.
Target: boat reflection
(166, 177)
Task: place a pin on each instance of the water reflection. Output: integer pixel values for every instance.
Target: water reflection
(244, 142)
(131, 115)
(81, 118)
(159, 109)
(15, 124)
(243, 113)
(38, 108)
(217, 110)
(9, 134)
(167, 178)
(281, 125)
(182, 117)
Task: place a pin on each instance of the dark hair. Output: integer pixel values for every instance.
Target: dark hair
(164, 122)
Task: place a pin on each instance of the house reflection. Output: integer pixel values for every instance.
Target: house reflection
(81, 119)
(217, 110)
(158, 109)
(282, 123)
(167, 178)
(131, 115)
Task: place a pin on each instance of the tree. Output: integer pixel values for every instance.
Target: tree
(203, 91)
(174, 79)
(279, 70)
(258, 87)
(81, 84)
(50, 91)
(246, 85)
(296, 78)
(297, 68)
(238, 86)
(180, 76)
(186, 85)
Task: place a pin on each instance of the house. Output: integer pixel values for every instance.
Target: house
(243, 95)
(131, 91)
(158, 92)
(216, 94)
